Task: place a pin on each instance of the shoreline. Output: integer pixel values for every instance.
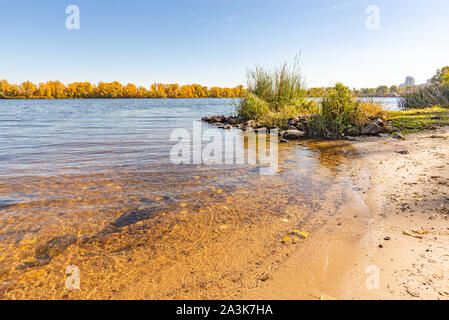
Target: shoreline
(398, 193)
(409, 192)
(230, 242)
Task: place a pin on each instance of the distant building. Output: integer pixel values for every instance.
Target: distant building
(409, 82)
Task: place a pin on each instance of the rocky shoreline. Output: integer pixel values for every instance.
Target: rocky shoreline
(300, 127)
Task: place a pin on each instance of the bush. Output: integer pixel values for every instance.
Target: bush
(253, 107)
(341, 110)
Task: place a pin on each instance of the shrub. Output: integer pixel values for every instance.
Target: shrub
(341, 110)
(426, 98)
(252, 107)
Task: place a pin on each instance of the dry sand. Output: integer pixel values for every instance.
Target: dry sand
(398, 192)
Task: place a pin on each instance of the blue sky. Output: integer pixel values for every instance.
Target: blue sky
(213, 42)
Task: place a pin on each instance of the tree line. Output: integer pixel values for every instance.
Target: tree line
(380, 91)
(112, 90)
(440, 79)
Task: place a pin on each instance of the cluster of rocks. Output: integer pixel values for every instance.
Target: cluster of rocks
(298, 127)
(236, 122)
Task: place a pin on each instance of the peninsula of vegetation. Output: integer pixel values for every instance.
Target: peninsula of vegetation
(278, 100)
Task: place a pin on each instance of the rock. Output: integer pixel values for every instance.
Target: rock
(284, 141)
(292, 134)
(398, 136)
(251, 123)
(208, 119)
(379, 122)
(294, 121)
(261, 130)
(412, 293)
(227, 127)
(233, 120)
(264, 277)
(371, 129)
(301, 127)
(403, 152)
(297, 120)
(213, 119)
(352, 132)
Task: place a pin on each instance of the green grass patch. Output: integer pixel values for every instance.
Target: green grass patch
(416, 120)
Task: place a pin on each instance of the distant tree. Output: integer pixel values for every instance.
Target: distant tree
(27, 89)
(437, 79)
(394, 89)
(215, 92)
(445, 79)
(382, 90)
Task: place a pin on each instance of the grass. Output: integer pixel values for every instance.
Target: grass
(426, 98)
(416, 120)
(274, 96)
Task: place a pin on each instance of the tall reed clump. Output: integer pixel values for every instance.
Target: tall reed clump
(341, 110)
(426, 98)
(274, 96)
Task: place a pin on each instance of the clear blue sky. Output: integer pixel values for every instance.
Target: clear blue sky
(212, 42)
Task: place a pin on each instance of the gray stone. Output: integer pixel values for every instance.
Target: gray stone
(292, 134)
(379, 122)
(233, 121)
(398, 136)
(352, 132)
(251, 123)
(371, 129)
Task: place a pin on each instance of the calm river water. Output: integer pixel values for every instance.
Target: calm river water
(89, 183)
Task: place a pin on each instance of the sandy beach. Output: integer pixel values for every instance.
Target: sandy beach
(403, 239)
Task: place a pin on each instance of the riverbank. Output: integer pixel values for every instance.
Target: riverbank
(408, 236)
(403, 190)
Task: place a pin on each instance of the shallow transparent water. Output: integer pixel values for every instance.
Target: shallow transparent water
(90, 183)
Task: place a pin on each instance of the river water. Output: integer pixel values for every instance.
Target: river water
(91, 184)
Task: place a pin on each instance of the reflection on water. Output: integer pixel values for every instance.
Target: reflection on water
(89, 183)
